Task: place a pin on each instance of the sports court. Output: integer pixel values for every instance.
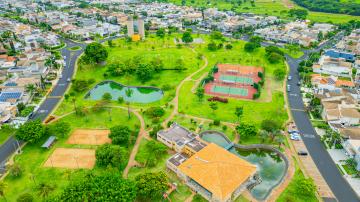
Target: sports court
(71, 158)
(89, 137)
(235, 81)
(230, 90)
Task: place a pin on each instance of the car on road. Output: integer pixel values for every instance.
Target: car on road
(288, 88)
(289, 77)
(68, 80)
(299, 83)
(302, 153)
(60, 76)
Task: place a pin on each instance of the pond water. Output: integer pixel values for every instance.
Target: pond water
(271, 167)
(139, 94)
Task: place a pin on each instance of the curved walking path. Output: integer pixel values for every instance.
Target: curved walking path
(178, 88)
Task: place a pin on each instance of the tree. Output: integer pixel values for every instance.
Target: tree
(108, 186)
(160, 33)
(239, 112)
(306, 186)
(186, 37)
(213, 106)
(228, 46)
(25, 197)
(269, 125)
(60, 128)
(200, 92)
(110, 43)
(15, 170)
(3, 186)
(45, 189)
(216, 35)
(110, 155)
(95, 53)
(128, 93)
(144, 72)
(155, 112)
(249, 47)
(151, 185)
(30, 88)
(274, 58)
(320, 36)
(212, 46)
(263, 135)
(256, 40)
(31, 131)
(155, 152)
(246, 130)
(279, 74)
(106, 97)
(278, 139)
(120, 135)
(298, 13)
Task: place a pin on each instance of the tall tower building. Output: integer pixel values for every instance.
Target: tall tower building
(141, 28)
(130, 27)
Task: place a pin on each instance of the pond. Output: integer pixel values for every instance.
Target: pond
(271, 167)
(139, 94)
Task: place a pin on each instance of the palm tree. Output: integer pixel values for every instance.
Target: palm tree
(30, 88)
(3, 186)
(279, 140)
(45, 189)
(128, 94)
(264, 135)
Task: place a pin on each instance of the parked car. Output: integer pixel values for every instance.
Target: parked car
(292, 131)
(68, 80)
(299, 83)
(295, 137)
(288, 88)
(289, 77)
(302, 153)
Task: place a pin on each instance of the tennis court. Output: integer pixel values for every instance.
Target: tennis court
(230, 90)
(236, 79)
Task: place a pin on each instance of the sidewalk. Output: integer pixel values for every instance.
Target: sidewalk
(312, 171)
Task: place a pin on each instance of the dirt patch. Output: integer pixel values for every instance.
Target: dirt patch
(89, 137)
(71, 158)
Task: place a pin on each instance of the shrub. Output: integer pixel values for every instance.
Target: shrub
(15, 170)
(216, 122)
(154, 112)
(218, 99)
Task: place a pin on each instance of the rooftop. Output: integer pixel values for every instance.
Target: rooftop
(178, 159)
(178, 134)
(196, 145)
(217, 170)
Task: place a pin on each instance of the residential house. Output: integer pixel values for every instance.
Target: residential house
(333, 66)
(353, 149)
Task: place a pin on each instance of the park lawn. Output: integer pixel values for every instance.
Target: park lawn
(294, 54)
(5, 133)
(74, 48)
(33, 156)
(269, 7)
(164, 49)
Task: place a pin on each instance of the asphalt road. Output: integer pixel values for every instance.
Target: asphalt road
(11, 145)
(339, 186)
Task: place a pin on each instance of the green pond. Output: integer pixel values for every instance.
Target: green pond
(271, 167)
(139, 94)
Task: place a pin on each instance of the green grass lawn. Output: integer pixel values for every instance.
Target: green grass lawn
(5, 133)
(268, 7)
(164, 49)
(33, 156)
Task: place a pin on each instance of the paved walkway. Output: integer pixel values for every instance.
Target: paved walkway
(312, 171)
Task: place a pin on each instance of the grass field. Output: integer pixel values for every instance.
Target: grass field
(33, 156)
(269, 7)
(270, 105)
(164, 49)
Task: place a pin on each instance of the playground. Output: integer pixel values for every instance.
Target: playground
(71, 158)
(234, 81)
(89, 137)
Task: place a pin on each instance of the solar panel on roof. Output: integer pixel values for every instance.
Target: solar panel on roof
(4, 96)
(11, 84)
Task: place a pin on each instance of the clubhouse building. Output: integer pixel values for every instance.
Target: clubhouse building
(208, 169)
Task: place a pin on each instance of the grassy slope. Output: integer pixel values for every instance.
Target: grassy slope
(271, 7)
(34, 156)
(5, 134)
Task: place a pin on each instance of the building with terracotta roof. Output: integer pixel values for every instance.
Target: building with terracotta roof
(216, 174)
(330, 83)
(340, 113)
